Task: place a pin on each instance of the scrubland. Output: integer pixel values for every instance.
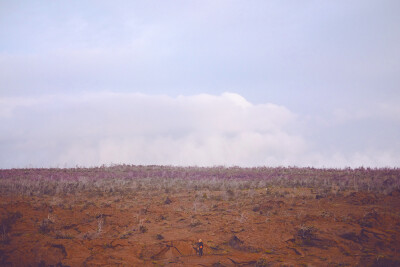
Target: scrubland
(153, 216)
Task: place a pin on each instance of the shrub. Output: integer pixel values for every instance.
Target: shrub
(143, 229)
(159, 237)
(262, 262)
(195, 223)
(168, 201)
(306, 232)
(6, 225)
(46, 226)
(64, 236)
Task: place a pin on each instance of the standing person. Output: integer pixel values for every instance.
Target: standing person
(200, 244)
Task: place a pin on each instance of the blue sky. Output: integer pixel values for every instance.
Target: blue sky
(249, 83)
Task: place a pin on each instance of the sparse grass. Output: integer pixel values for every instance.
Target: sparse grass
(122, 179)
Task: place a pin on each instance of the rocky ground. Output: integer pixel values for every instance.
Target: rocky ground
(251, 227)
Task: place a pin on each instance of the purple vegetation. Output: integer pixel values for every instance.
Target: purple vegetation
(130, 177)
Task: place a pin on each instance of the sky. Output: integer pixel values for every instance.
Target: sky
(205, 83)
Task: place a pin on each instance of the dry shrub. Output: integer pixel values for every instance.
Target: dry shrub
(307, 232)
(262, 262)
(143, 229)
(159, 237)
(46, 226)
(167, 201)
(6, 225)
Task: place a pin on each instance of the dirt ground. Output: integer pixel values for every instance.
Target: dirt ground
(262, 227)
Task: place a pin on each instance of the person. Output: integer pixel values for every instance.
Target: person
(200, 244)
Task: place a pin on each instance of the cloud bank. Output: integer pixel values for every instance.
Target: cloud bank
(90, 129)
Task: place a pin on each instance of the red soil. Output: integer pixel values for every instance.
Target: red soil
(275, 227)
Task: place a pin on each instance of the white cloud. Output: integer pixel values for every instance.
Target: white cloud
(89, 129)
(102, 128)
